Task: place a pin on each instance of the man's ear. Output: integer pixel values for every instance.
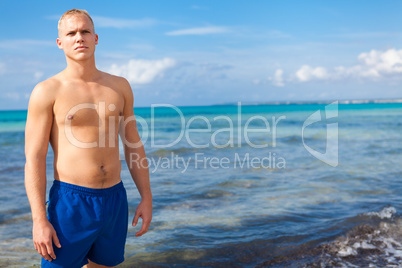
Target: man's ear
(96, 39)
(59, 44)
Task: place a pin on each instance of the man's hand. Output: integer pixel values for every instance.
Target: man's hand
(43, 235)
(144, 210)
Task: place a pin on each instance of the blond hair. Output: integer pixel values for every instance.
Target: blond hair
(73, 12)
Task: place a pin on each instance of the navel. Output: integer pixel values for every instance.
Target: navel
(102, 168)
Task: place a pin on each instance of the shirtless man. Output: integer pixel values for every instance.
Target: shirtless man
(81, 111)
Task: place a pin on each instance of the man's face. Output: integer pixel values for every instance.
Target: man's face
(77, 37)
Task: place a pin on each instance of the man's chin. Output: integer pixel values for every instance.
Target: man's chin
(80, 56)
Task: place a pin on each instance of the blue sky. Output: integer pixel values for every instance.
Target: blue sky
(213, 52)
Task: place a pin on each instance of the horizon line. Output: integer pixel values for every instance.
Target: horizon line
(250, 103)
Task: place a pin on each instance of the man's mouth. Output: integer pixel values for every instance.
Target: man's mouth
(80, 48)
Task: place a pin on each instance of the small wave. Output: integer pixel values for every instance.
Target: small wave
(366, 246)
(375, 242)
(385, 213)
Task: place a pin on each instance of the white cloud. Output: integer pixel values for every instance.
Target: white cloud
(307, 73)
(383, 63)
(142, 71)
(199, 31)
(373, 65)
(106, 22)
(278, 78)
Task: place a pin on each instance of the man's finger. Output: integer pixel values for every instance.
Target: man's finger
(56, 240)
(50, 251)
(37, 247)
(139, 233)
(44, 253)
(145, 225)
(136, 217)
(143, 230)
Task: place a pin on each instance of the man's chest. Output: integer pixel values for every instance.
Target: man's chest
(98, 106)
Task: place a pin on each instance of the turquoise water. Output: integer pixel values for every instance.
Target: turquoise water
(219, 201)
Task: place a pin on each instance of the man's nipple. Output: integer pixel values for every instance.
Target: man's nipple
(70, 117)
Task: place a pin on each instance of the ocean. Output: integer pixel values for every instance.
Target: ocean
(287, 185)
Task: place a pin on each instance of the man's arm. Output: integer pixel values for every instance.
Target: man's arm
(136, 160)
(37, 135)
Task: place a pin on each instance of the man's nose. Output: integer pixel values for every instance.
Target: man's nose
(79, 37)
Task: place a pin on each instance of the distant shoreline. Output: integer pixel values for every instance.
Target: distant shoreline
(361, 101)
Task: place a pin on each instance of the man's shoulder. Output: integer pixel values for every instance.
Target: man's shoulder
(45, 91)
(118, 83)
(117, 80)
(49, 85)
(121, 85)
(43, 95)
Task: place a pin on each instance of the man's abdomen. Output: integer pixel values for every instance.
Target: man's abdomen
(90, 167)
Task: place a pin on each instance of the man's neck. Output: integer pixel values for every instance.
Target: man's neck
(82, 70)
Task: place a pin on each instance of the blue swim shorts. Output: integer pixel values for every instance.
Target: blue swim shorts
(90, 224)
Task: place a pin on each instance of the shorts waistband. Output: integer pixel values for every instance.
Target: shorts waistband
(86, 190)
